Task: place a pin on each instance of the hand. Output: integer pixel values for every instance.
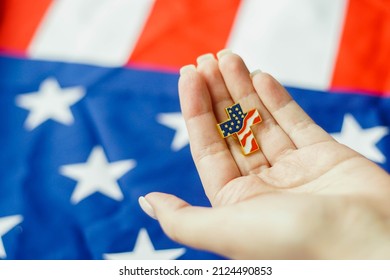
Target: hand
(303, 195)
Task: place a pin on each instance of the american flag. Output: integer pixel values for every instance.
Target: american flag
(90, 117)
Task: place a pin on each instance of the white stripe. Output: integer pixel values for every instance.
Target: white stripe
(101, 32)
(248, 144)
(295, 40)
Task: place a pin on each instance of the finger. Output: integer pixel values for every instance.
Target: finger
(221, 99)
(271, 138)
(270, 227)
(197, 227)
(213, 159)
(301, 129)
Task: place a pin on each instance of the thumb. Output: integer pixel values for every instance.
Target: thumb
(198, 227)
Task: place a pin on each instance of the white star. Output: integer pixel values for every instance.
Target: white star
(176, 122)
(362, 140)
(50, 102)
(97, 175)
(6, 224)
(144, 250)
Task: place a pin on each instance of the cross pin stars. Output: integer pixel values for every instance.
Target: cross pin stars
(239, 124)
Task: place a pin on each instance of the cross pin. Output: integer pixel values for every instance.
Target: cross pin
(239, 124)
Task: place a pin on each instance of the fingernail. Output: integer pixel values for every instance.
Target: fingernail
(146, 207)
(223, 53)
(254, 73)
(204, 57)
(187, 68)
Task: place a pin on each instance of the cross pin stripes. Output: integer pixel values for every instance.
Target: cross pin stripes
(239, 124)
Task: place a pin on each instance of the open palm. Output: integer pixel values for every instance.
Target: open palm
(291, 199)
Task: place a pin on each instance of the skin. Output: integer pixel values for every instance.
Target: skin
(302, 196)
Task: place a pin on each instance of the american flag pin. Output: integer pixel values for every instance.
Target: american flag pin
(239, 125)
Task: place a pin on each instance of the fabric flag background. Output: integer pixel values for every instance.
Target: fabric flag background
(90, 117)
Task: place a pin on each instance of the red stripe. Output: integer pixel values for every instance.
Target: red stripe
(364, 57)
(179, 31)
(247, 117)
(243, 126)
(243, 140)
(19, 21)
(251, 112)
(254, 145)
